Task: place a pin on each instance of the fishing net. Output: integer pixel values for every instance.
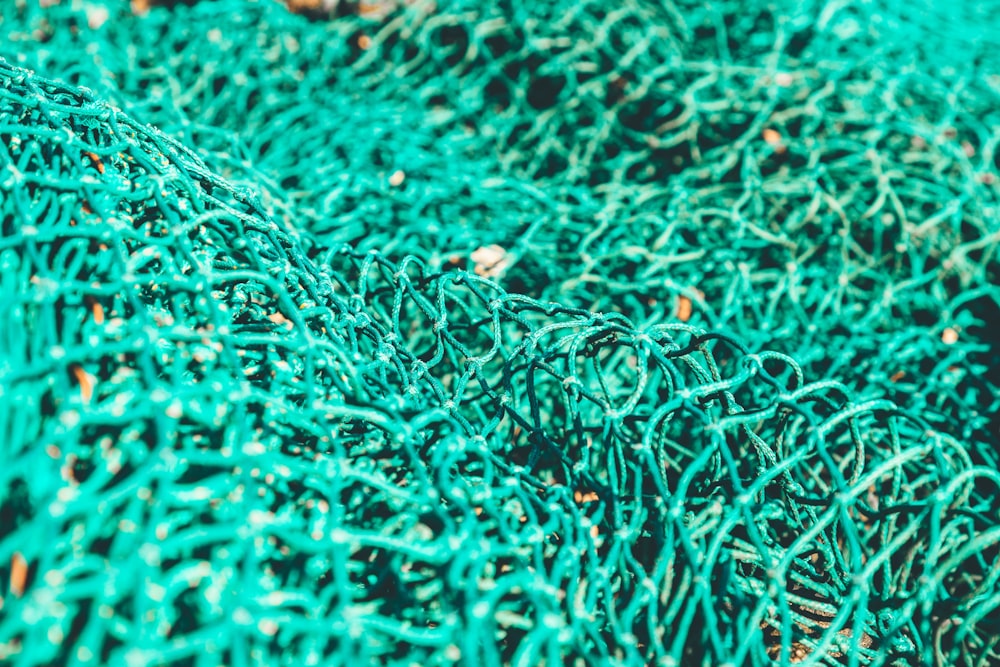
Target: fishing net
(499, 333)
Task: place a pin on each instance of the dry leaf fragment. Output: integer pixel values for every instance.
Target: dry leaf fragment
(491, 261)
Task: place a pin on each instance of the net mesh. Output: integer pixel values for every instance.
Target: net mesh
(502, 333)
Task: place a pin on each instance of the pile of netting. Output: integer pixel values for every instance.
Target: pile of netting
(454, 332)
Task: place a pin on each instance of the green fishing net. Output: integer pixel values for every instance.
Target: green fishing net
(639, 333)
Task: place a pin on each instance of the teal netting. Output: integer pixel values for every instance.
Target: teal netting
(500, 333)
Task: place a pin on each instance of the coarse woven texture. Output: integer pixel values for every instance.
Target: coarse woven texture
(801, 175)
(500, 333)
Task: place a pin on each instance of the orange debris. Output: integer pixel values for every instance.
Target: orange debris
(97, 309)
(683, 308)
(18, 574)
(85, 381)
(96, 160)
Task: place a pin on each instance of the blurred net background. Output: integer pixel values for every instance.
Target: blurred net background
(521, 332)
